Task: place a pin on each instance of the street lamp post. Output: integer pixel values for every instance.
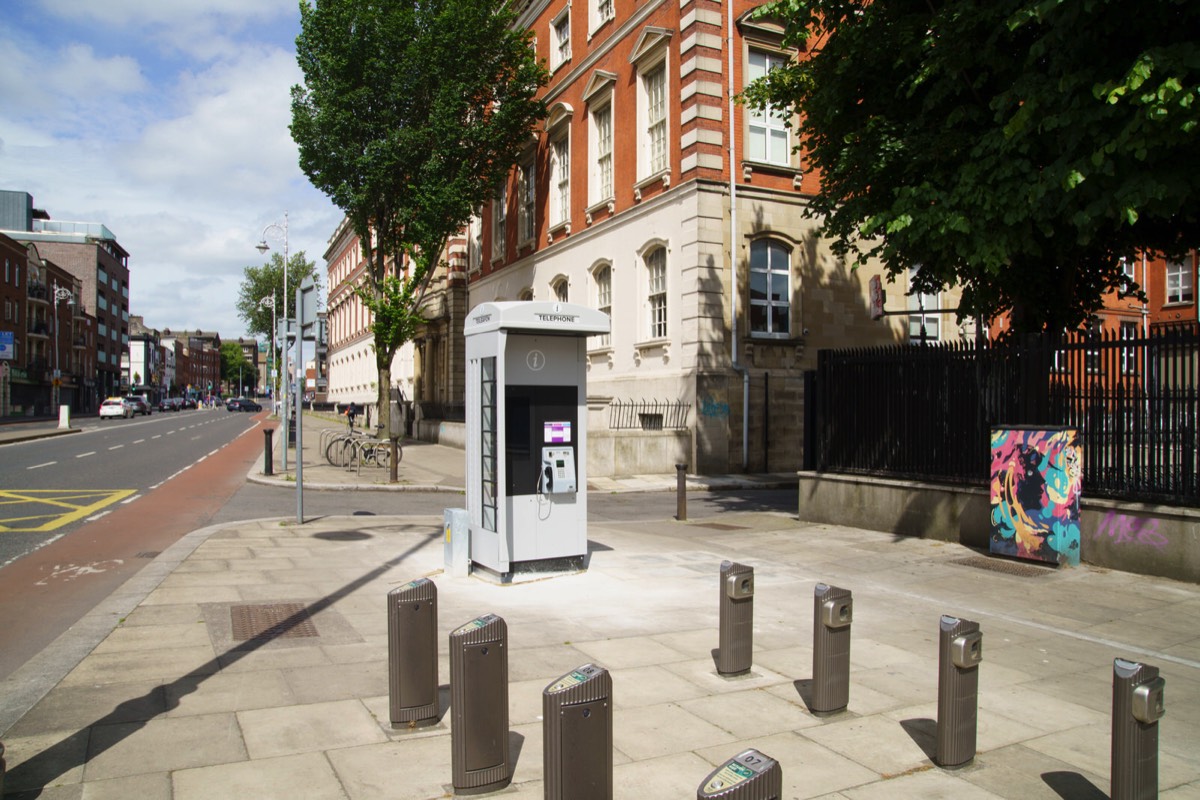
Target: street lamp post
(60, 293)
(274, 366)
(278, 231)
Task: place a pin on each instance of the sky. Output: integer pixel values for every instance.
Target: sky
(168, 123)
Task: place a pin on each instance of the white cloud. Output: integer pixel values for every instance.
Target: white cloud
(186, 159)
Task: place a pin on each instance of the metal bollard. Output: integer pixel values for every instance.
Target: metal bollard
(735, 655)
(412, 654)
(1137, 707)
(268, 452)
(479, 706)
(960, 649)
(750, 775)
(577, 743)
(681, 492)
(833, 611)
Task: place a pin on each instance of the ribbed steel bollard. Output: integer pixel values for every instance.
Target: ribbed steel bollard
(412, 654)
(735, 655)
(833, 611)
(960, 650)
(479, 706)
(268, 452)
(1137, 706)
(577, 738)
(681, 492)
(750, 775)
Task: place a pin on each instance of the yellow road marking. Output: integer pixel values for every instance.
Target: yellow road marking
(74, 505)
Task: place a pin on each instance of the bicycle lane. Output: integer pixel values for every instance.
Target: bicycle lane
(49, 590)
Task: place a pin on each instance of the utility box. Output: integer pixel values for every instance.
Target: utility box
(479, 706)
(833, 611)
(526, 399)
(412, 654)
(735, 650)
(1137, 706)
(960, 651)
(750, 775)
(577, 743)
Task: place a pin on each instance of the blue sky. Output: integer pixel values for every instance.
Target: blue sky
(167, 122)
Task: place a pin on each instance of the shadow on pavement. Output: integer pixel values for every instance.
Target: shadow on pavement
(30, 777)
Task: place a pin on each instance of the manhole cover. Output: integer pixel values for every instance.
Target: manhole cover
(1004, 565)
(719, 526)
(273, 621)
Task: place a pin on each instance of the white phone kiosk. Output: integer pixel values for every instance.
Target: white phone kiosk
(558, 470)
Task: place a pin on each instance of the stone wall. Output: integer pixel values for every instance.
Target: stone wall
(1144, 538)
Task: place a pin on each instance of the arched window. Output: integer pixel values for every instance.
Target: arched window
(770, 288)
(559, 290)
(656, 292)
(602, 278)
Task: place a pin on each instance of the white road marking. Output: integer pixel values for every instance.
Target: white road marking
(39, 466)
(85, 455)
(156, 436)
(138, 441)
(95, 517)
(116, 447)
(129, 500)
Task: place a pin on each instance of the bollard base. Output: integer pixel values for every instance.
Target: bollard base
(830, 713)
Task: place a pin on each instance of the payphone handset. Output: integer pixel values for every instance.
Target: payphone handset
(558, 470)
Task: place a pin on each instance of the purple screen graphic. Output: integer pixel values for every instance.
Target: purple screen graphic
(556, 433)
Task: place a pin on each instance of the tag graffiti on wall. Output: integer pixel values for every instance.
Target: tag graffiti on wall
(713, 408)
(1126, 529)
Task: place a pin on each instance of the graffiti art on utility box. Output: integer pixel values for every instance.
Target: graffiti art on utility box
(1036, 478)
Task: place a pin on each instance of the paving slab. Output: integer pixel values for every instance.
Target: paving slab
(309, 776)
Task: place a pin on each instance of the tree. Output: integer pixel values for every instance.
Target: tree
(410, 117)
(235, 369)
(261, 281)
(1018, 148)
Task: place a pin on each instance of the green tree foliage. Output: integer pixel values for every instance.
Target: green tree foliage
(261, 281)
(1018, 148)
(409, 118)
(235, 365)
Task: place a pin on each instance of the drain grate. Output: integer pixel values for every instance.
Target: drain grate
(1005, 565)
(273, 621)
(149, 554)
(720, 526)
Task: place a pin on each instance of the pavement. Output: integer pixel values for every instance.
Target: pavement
(155, 695)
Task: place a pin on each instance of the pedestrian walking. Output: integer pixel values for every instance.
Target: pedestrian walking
(351, 413)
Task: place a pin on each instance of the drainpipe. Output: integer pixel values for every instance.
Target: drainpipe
(733, 252)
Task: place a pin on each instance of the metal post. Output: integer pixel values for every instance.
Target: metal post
(299, 406)
(479, 706)
(412, 654)
(833, 611)
(1137, 705)
(681, 492)
(960, 649)
(735, 653)
(577, 745)
(750, 775)
(268, 452)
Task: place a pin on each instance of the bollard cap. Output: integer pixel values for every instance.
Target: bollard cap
(749, 765)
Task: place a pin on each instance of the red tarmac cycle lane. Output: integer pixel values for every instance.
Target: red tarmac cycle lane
(46, 592)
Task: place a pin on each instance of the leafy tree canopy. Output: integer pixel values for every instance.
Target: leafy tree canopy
(1018, 148)
(235, 365)
(261, 281)
(410, 117)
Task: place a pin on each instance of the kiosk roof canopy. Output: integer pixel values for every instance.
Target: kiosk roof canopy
(563, 319)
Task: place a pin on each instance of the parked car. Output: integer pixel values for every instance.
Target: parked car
(139, 404)
(242, 404)
(115, 407)
(171, 404)
(189, 402)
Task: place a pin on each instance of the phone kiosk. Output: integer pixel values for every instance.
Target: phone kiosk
(527, 434)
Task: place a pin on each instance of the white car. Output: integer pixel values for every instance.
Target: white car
(115, 407)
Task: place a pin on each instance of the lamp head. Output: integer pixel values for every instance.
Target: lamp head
(262, 246)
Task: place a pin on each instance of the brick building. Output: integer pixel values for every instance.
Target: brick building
(651, 195)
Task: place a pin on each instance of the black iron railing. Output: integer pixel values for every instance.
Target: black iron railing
(647, 415)
(926, 412)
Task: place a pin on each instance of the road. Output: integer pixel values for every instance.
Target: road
(158, 479)
(51, 487)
